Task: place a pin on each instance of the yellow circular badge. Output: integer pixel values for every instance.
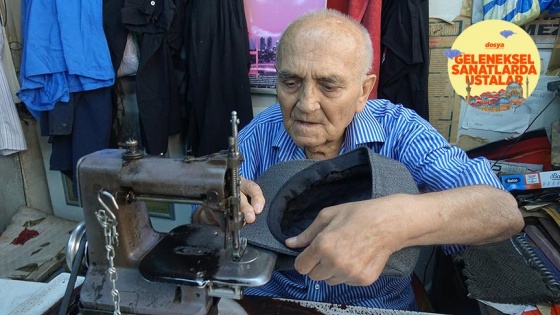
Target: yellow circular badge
(494, 65)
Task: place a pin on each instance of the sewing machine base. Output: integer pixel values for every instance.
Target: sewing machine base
(181, 274)
(139, 296)
(194, 255)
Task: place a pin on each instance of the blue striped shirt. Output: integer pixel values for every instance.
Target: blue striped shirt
(390, 130)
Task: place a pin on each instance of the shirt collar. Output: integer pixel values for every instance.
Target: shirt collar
(363, 129)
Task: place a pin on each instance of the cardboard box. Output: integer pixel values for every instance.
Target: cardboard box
(543, 31)
(444, 103)
(530, 181)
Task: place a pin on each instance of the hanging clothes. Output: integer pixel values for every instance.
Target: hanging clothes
(217, 46)
(115, 32)
(64, 51)
(403, 75)
(154, 23)
(367, 12)
(9, 68)
(66, 73)
(12, 139)
(77, 128)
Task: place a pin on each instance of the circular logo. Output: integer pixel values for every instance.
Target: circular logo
(494, 65)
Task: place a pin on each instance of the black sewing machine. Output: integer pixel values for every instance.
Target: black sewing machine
(134, 269)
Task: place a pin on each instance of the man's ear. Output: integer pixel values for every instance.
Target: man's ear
(367, 86)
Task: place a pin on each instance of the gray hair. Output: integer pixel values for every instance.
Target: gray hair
(325, 15)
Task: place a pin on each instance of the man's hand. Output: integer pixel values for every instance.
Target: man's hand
(351, 243)
(252, 200)
(249, 191)
(348, 243)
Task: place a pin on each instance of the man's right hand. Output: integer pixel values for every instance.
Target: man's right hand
(252, 200)
(252, 203)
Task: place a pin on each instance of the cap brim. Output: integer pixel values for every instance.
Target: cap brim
(276, 176)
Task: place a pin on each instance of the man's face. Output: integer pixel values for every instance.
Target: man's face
(320, 88)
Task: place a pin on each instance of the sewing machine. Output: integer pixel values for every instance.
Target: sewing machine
(134, 269)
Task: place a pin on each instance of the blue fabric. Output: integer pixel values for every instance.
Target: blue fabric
(64, 51)
(386, 292)
(517, 11)
(553, 7)
(390, 130)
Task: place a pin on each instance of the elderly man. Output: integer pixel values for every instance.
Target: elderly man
(323, 66)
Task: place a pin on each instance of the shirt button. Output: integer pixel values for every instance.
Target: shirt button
(317, 286)
(152, 2)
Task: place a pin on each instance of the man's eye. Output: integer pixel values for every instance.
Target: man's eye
(329, 88)
(290, 84)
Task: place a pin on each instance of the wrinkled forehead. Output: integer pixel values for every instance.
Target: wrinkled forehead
(320, 37)
(321, 30)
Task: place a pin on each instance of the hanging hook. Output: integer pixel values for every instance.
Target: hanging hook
(103, 192)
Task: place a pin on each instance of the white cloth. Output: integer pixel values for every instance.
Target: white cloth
(12, 139)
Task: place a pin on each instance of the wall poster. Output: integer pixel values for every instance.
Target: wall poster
(266, 20)
(495, 66)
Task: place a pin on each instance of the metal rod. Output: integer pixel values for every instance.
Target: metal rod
(167, 199)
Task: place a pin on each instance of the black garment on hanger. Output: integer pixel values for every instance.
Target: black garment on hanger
(157, 91)
(115, 32)
(158, 29)
(217, 46)
(403, 76)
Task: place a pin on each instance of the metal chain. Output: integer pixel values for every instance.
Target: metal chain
(108, 222)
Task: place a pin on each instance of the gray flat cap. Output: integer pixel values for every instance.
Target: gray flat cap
(296, 191)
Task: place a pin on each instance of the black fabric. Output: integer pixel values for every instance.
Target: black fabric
(158, 29)
(217, 49)
(302, 203)
(87, 118)
(157, 91)
(193, 71)
(58, 121)
(403, 74)
(115, 32)
(149, 18)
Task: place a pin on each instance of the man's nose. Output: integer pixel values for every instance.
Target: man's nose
(308, 98)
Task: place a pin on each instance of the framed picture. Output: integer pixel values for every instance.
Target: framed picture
(160, 209)
(69, 195)
(266, 20)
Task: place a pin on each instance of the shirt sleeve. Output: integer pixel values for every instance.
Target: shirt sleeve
(435, 164)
